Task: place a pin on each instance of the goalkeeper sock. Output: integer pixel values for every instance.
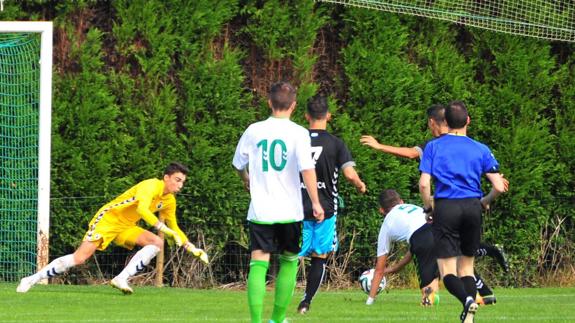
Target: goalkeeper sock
(482, 288)
(314, 278)
(257, 288)
(140, 260)
(57, 267)
(285, 284)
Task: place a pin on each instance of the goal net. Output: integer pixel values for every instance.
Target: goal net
(25, 115)
(545, 19)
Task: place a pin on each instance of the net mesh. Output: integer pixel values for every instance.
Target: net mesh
(19, 122)
(546, 19)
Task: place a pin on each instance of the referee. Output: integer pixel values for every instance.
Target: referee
(457, 163)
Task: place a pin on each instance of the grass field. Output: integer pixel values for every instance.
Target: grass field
(64, 303)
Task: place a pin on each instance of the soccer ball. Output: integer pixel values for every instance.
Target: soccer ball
(365, 281)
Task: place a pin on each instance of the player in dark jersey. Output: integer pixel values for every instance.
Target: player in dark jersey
(438, 127)
(457, 163)
(331, 156)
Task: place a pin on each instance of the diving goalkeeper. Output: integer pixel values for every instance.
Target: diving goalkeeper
(117, 222)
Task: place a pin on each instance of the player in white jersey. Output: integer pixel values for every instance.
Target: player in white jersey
(269, 158)
(406, 222)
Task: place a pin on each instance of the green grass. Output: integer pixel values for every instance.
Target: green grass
(65, 303)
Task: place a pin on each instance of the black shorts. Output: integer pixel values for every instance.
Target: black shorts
(456, 227)
(422, 247)
(278, 237)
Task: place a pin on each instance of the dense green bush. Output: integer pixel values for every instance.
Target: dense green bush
(140, 83)
(84, 116)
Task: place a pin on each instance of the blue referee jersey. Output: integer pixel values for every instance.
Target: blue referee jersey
(456, 164)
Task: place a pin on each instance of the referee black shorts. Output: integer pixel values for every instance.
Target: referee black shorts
(456, 227)
(422, 247)
(277, 237)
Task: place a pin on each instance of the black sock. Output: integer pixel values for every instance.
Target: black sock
(455, 286)
(487, 250)
(469, 285)
(314, 278)
(482, 287)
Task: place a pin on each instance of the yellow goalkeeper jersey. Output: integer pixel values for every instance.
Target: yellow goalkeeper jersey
(141, 201)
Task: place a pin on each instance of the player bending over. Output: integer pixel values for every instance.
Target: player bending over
(117, 222)
(406, 222)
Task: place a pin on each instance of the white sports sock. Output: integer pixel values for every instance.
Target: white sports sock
(139, 261)
(58, 266)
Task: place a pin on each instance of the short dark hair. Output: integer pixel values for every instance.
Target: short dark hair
(456, 115)
(317, 107)
(175, 167)
(388, 199)
(436, 112)
(282, 95)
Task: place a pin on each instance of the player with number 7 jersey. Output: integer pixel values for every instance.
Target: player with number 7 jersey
(331, 156)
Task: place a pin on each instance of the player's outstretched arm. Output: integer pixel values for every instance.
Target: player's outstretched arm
(161, 227)
(352, 177)
(244, 175)
(500, 186)
(200, 253)
(169, 214)
(400, 264)
(152, 220)
(310, 181)
(405, 152)
(377, 277)
(425, 190)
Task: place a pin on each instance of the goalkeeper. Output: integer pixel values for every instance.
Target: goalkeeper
(117, 222)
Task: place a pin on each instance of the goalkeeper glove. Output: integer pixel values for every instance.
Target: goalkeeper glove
(169, 232)
(196, 252)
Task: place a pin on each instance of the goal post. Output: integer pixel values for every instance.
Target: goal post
(25, 144)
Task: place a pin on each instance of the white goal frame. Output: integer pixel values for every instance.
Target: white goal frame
(45, 127)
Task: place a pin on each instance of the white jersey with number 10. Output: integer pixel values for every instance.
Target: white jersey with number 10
(276, 150)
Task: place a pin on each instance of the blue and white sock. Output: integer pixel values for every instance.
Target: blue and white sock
(57, 267)
(140, 260)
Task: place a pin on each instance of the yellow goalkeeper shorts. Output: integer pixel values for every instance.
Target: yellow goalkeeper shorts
(106, 227)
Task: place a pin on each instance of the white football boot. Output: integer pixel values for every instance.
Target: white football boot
(122, 285)
(25, 284)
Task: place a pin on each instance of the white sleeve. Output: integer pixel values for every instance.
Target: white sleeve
(419, 151)
(303, 151)
(241, 156)
(383, 241)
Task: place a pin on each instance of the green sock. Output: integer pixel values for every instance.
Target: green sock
(257, 288)
(285, 284)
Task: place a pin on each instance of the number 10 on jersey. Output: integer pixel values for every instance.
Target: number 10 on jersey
(269, 156)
